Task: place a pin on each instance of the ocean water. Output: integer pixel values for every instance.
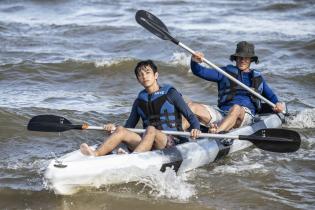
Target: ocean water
(75, 59)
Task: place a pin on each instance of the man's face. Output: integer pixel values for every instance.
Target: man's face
(243, 63)
(146, 76)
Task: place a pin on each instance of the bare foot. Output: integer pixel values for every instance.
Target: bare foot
(121, 151)
(86, 150)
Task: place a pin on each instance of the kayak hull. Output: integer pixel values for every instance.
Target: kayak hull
(67, 174)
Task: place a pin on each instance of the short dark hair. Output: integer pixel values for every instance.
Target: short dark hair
(143, 64)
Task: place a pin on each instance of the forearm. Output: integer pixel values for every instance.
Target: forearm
(180, 104)
(269, 94)
(205, 73)
(133, 117)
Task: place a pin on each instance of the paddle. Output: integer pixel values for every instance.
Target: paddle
(158, 28)
(272, 139)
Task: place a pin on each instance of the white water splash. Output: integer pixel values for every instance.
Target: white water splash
(310, 142)
(38, 165)
(181, 59)
(110, 62)
(241, 167)
(303, 119)
(168, 184)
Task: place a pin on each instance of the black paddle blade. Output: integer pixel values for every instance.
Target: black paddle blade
(276, 140)
(154, 25)
(50, 123)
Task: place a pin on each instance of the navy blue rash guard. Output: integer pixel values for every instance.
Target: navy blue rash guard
(242, 98)
(175, 98)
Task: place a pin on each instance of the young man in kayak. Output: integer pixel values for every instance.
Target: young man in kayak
(159, 107)
(236, 106)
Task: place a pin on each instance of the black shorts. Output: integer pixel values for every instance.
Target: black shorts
(174, 140)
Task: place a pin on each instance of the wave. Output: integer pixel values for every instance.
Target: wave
(310, 45)
(91, 66)
(64, 100)
(114, 62)
(301, 49)
(308, 79)
(180, 59)
(281, 7)
(243, 165)
(27, 67)
(11, 9)
(12, 121)
(87, 67)
(303, 119)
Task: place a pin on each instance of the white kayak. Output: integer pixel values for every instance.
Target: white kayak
(67, 174)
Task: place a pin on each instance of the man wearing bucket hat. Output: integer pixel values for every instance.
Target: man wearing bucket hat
(236, 106)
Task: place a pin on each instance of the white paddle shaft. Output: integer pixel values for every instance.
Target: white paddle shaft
(175, 133)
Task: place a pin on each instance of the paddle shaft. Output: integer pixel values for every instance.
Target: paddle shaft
(274, 140)
(204, 135)
(175, 133)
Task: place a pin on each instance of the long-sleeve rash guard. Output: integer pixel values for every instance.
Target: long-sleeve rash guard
(175, 98)
(242, 98)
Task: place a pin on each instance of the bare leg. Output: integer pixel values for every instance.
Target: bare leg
(201, 112)
(152, 137)
(185, 123)
(147, 140)
(236, 115)
(120, 135)
(160, 140)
